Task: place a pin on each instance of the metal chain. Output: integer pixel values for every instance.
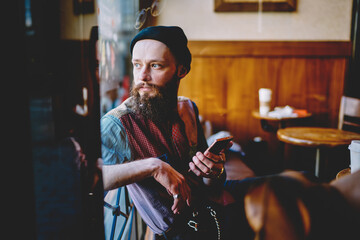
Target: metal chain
(213, 213)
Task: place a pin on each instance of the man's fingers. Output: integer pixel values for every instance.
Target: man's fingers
(181, 197)
(215, 158)
(203, 163)
(178, 205)
(188, 201)
(202, 166)
(175, 206)
(186, 194)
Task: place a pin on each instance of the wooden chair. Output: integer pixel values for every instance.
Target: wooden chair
(349, 120)
(121, 219)
(275, 211)
(349, 114)
(290, 206)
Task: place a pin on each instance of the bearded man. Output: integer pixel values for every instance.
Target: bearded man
(154, 144)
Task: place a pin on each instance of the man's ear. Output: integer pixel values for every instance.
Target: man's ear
(181, 71)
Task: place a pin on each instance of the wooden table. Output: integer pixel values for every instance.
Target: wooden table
(316, 137)
(264, 119)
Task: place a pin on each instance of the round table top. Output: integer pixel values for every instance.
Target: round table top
(257, 115)
(316, 136)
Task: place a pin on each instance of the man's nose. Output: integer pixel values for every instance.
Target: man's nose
(145, 74)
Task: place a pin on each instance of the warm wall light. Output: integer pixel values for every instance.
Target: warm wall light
(253, 5)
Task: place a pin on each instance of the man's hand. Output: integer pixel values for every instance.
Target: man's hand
(118, 175)
(175, 184)
(207, 164)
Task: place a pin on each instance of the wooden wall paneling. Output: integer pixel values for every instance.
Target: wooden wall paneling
(269, 48)
(206, 86)
(240, 98)
(225, 78)
(336, 88)
(325, 80)
(289, 85)
(317, 79)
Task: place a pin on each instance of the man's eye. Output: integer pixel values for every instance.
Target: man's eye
(136, 65)
(155, 65)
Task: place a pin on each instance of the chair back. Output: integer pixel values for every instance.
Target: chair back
(349, 114)
(275, 211)
(291, 206)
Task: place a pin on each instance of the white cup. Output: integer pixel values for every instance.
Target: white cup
(354, 155)
(264, 100)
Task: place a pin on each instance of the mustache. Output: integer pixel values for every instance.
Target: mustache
(140, 85)
(135, 88)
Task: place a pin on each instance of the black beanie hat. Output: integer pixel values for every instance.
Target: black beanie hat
(173, 37)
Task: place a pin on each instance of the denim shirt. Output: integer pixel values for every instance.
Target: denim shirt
(115, 146)
(150, 198)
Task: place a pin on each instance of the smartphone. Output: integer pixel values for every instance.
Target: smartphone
(220, 144)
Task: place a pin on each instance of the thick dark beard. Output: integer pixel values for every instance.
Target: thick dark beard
(159, 108)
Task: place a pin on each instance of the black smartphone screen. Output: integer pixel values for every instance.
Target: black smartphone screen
(219, 144)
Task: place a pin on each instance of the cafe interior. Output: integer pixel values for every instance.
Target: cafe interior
(281, 77)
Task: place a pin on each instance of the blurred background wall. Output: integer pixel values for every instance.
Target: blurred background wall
(318, 20)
